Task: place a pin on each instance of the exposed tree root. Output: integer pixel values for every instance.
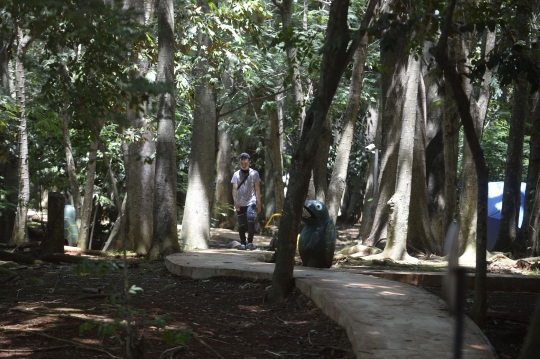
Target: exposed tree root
(171, 352)
(78, 345)
(197, 338)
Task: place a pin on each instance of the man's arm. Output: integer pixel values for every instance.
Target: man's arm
(235, 196)
(258, 194)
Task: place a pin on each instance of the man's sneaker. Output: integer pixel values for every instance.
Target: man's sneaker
(251, 247)
(241, 247)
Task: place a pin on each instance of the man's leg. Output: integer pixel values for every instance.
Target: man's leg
(251, 216)
(241, 215)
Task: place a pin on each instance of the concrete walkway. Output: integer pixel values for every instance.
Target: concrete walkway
(383, 318)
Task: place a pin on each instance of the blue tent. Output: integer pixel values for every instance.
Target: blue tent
(495, 194)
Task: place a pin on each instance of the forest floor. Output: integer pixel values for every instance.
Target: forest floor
(44, 307)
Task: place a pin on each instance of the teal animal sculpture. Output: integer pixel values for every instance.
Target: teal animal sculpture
(318, 237)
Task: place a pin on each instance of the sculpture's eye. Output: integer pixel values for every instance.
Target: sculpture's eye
(318, 206)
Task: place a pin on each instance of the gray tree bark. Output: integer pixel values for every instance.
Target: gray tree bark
(164, 235)
(454, 78)
(419, 236)
(276, 158)
(223, 195)
(200, 191)
(341, 165)
(70, 165)
(86, 209)
(372, 186)
(393, 94)
(139, 164)
(399, 203)
(19, 229)
(332, 67)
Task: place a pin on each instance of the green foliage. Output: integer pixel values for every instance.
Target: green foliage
(97, 267)
(104, 328)
(172, 337)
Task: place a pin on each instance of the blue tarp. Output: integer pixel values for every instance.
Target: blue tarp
(495, 194)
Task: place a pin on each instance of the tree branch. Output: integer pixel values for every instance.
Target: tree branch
(250, 101)
(361, 32)
(278, 5)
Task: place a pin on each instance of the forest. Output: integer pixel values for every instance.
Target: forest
(397, 115)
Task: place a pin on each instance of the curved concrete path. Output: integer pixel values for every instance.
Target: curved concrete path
(383, 319)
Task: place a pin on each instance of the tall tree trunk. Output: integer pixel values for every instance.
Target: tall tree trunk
(276, 144)
(222, 209)
(332, 67)
(341, 165)
(202, 161)
(19, 228)
(399, 203)
(286, 10)
(86, 210)
(371, 195)
(436, 175)
(534, 236)
(70, 164)
(164, 235)
(391, 116)
(420, 236)
(320, 164)
(511, 200)
(140, 166)
(464, 107)
(527, 234)
(469, 210)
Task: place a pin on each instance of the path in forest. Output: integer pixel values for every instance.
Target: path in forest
(383, 318)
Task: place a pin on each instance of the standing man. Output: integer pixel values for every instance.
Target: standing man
(247, 200)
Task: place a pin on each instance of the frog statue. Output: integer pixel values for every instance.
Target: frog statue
(318, 237)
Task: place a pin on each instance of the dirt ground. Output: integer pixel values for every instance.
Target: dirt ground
(43, 308)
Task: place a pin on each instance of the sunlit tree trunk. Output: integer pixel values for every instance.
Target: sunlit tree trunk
(419, 236)
(202, 160)
(341, 165)
(19, 229)
(276, 130)
(164, 235)
(86, 209)
(222, 212)
(139, 162)
(372, 186)
(436, 175)
(393, 94)
(399, 203)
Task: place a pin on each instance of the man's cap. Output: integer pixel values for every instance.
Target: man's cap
(244, 156)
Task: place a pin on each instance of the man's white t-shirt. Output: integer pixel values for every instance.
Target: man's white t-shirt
(246, 192)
